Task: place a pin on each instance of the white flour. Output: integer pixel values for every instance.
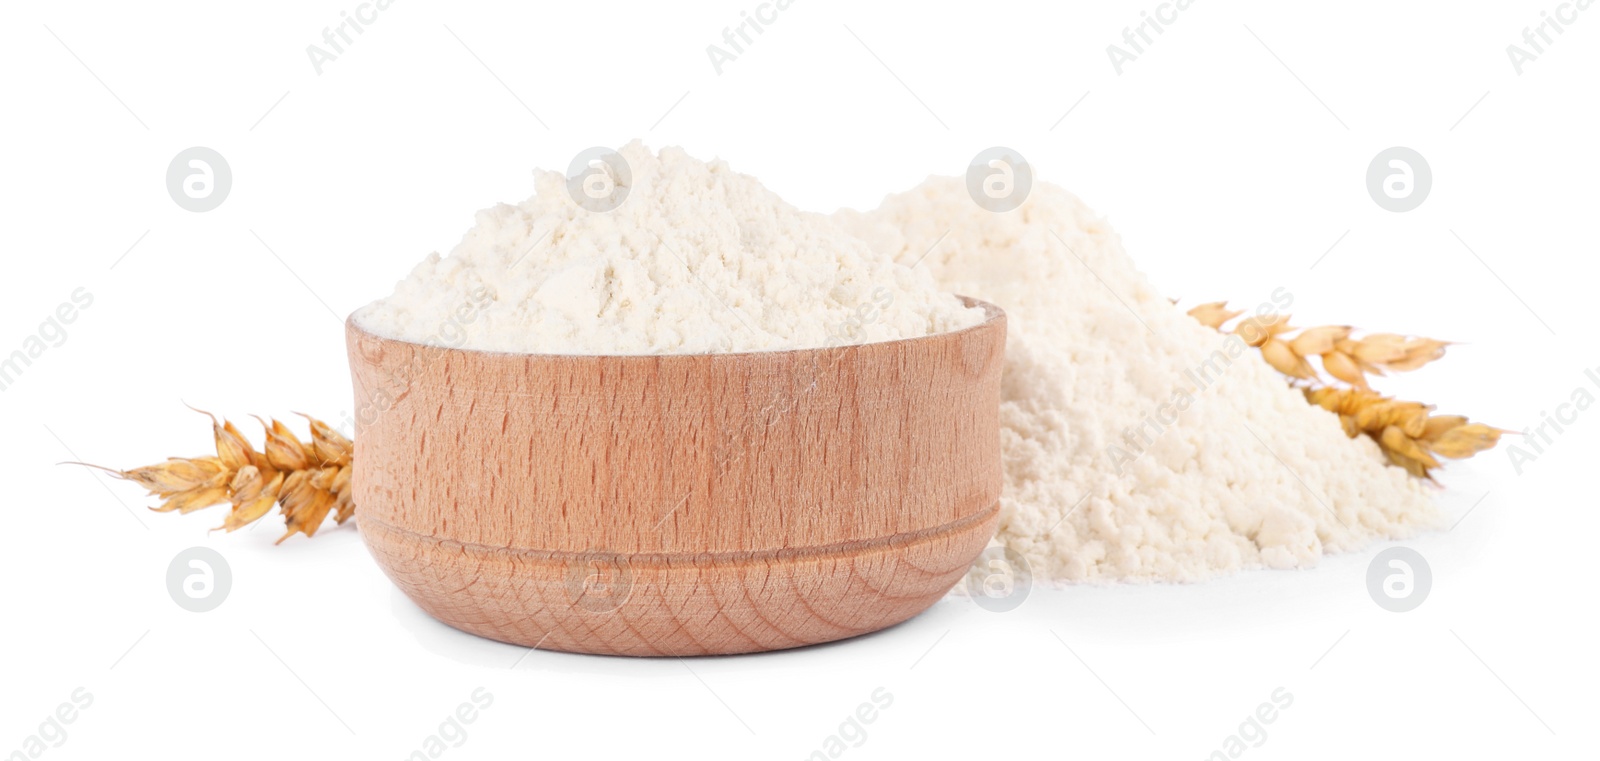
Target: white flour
(697, 258)
(1088, 385)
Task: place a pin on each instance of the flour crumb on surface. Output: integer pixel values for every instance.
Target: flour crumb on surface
(1098, 486)
(696, 259)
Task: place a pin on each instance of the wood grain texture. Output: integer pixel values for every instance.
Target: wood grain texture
(680, 504)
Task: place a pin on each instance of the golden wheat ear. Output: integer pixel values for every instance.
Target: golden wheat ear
(307, 481)
(1409, 435)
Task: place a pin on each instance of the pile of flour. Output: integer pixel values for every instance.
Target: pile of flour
(1222, 466)
(696, 258)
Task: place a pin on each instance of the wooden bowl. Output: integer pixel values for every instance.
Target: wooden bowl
(681, 504)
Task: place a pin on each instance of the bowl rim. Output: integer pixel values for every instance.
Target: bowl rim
(992, 314)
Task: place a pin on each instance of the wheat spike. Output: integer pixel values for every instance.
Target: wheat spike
(1410, 436)
(1214, 314)
(306, 481)
(1342, 356)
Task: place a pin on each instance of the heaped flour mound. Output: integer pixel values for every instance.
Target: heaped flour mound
(697, 258)
(1128, 455)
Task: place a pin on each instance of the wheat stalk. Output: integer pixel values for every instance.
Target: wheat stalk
(307, 481)
(1408, 434)
(1342, 356)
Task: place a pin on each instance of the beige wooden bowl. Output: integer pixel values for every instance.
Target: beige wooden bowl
(678, 505)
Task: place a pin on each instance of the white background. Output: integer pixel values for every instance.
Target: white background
(1231, 155)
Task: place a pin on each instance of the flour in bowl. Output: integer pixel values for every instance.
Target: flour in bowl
(695, 258)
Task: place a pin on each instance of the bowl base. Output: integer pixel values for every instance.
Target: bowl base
(678, 605)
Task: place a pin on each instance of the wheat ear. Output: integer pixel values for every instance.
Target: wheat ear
(306, 481)
(1410, 436)
(1343, 356)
